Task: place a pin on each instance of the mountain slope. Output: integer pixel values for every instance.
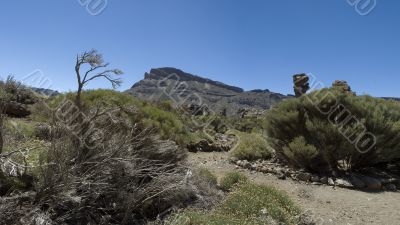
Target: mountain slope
(186, 89)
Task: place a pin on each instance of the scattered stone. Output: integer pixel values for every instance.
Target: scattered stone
(343, 183)
(220, 145)
(357, 182)
(304, 177)
(385, 181)
(391, 187)
(314, 178)
(281, 176)
(246, 164)
(306, 218)
(324, 180)
(253, 166)
(233, 160)
(397, 183)
(15, 109)
(331, 182)
(372, 183)
(264, 169)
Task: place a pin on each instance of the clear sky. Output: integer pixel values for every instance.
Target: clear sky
(247, 43)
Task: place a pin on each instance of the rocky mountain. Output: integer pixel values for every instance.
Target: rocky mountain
(392, 98)
(45, 92)
(185, 89)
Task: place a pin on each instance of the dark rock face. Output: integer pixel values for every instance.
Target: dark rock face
(185, 89)
(15, 109)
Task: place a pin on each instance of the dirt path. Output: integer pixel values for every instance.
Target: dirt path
(330, 206)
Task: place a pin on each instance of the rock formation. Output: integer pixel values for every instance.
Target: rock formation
(301, 85)
(185, 89)
(15, 109)
(343, 86)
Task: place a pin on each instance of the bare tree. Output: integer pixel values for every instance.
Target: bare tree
(96, 62)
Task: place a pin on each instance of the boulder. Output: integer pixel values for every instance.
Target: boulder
(331, 182)
(324, 180)
(220, 145)
(372, 183)
(344, 183)
(304, 176)
(391, 187)
(281, 176)
(15, 109)
(343, 86)
(246, 164)
(301, 85)
(265, 169)
(314, 178)
(357, 182)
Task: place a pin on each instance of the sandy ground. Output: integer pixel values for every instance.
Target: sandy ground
(328, 205)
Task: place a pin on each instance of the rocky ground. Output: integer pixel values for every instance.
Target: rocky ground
(328, 205)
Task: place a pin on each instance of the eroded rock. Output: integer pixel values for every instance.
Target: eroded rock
(304, 176)
(301, 85)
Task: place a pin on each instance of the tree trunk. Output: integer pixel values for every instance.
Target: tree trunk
(78, 100)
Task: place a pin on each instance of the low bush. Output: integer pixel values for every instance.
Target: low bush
(208, 176)
(17, 92)
(251, 146)
(301, 153)
(19, 128)
(159, 116)
(334, 130)
(121, 173)
(230, 180)
(248, 204)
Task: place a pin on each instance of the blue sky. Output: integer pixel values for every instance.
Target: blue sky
(247, 43)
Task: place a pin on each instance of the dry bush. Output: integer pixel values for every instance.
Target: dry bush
(124, 174)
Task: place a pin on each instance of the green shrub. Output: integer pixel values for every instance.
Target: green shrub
(159, 116)
(247, 124)
(249, 204)
(251, 146)
(231, 179)
(12, 90)
(20, 128)
(300, 153)
(208, 176)
(326, 129)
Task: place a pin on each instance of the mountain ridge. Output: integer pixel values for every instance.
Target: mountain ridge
(169, 83)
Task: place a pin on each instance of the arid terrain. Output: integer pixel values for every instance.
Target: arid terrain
(327, 205)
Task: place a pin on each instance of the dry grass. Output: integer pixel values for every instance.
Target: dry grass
(129, 176)
(248, 204)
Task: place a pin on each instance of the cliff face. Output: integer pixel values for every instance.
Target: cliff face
(186, 89)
